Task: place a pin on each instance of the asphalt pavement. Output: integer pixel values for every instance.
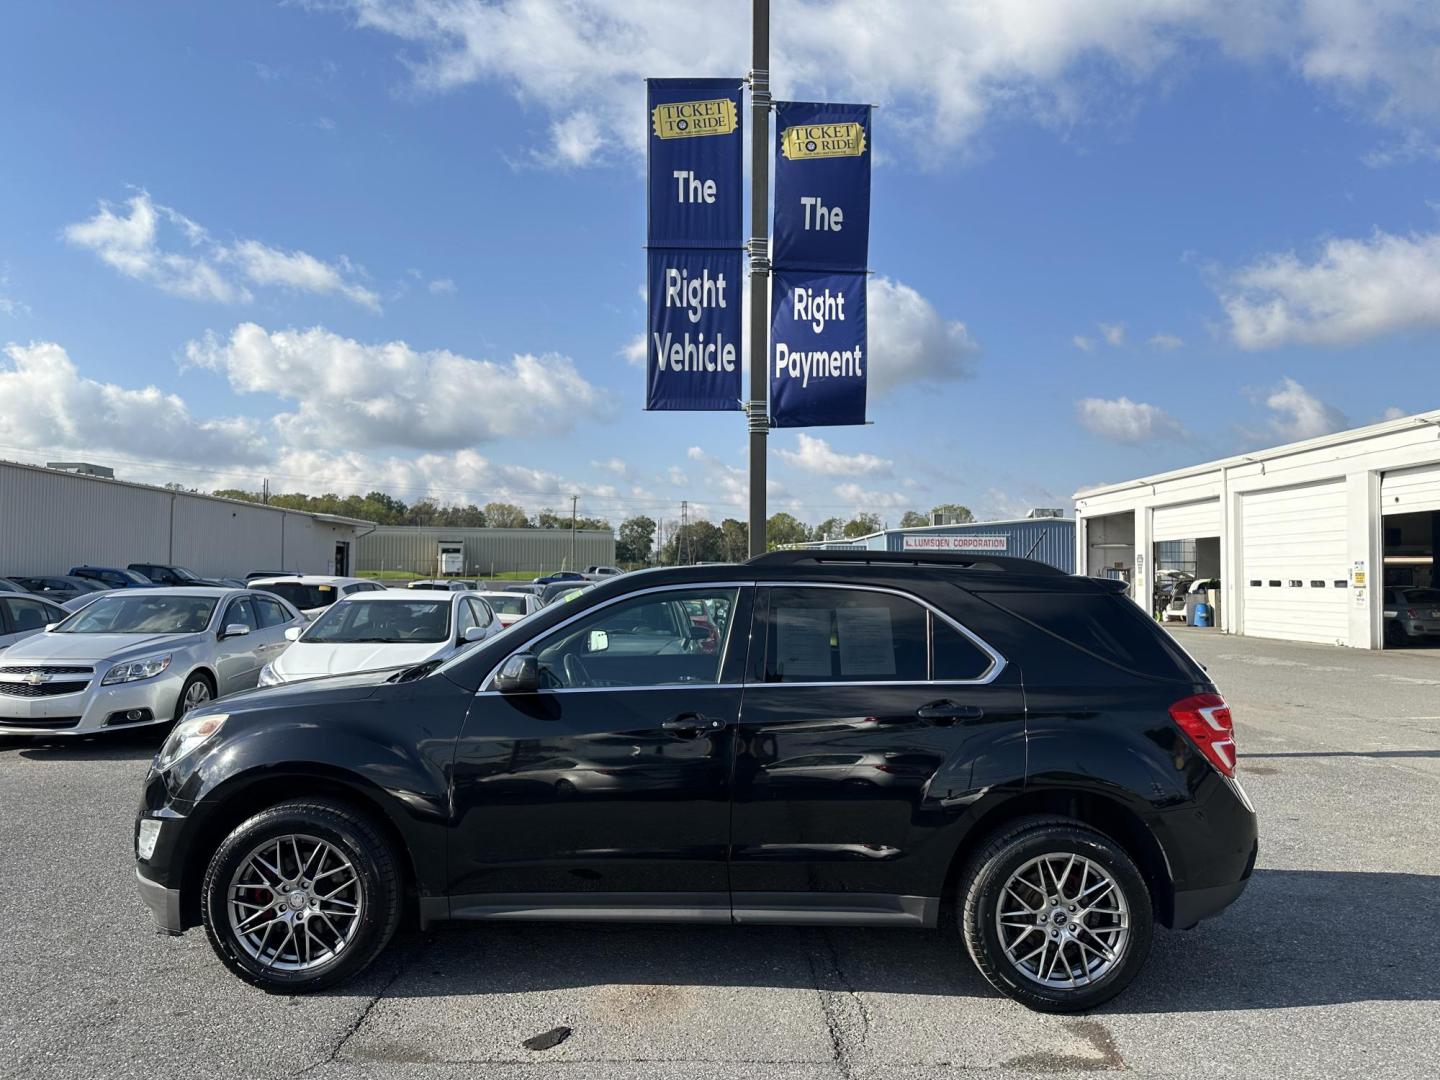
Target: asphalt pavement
(1325, 967)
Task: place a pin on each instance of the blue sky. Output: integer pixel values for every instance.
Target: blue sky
(361, 244)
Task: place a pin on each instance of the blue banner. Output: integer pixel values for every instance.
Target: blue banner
(695, 162)
(818, 356)
(822, 186)
(692, 348)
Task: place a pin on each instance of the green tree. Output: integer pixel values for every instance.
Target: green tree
(829, 528)
(861, 525)
(635, 541)
(783, 529)
(953, 512)
(913, 519)
(699, 541)
(735, 538)
(502, 515)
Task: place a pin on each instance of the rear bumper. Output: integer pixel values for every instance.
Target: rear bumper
(1193, 905)
(164, 904)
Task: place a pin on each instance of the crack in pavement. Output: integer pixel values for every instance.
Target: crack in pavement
(834, 987)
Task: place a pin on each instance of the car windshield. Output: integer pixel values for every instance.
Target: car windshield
(301, 595)
(1421, 596)
(389, 621)
(506, 603)
(137, 613)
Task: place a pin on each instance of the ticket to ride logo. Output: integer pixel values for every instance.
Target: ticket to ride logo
(687, 119)
(804, 142)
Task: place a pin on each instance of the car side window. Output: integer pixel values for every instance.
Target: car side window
(466, 619)
(484, 616)
(656, 639)
(269, 612)
(954, 656)
(239, 614)
(845, 635)
(28, 614)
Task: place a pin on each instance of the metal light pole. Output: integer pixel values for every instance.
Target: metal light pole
(759, 264)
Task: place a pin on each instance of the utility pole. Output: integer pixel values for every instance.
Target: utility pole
(759, 265)
(682, 546)
(574, 500)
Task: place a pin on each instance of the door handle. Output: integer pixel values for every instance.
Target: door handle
(689, 725)
(947, 712)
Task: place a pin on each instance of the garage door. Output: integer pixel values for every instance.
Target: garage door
(1188, 521)
(1406, 491)
(1295, 563)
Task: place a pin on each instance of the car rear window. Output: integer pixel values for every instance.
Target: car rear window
(1110, 628)
(305, 597)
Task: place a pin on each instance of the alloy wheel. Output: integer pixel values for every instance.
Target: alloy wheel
(196, 694)
(1063, 921)
(295, 903)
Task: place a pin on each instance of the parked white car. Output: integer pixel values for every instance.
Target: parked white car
(511, 607)
(313, 593)
(140, 656)
(1411, 614)
(1175, 610)
(22, 615)
(386, 629)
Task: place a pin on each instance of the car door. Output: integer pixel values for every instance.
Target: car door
(22, 616)
(237, 656)
(273, 619)
(865, 714)
(639, 820)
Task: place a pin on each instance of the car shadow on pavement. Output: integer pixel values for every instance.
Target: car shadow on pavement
(1295, 938)
(106, 746)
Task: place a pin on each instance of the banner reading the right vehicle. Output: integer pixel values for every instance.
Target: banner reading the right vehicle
(820, 253)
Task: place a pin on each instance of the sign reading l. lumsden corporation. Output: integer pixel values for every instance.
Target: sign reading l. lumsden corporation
(695, 200)
(963, 542)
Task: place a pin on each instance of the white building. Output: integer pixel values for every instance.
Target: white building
(51, 520)
(1304, 537)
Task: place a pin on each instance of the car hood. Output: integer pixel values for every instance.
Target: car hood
(306, 659)
(93, 647)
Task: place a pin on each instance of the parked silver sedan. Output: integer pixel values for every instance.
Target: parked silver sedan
(140, 656)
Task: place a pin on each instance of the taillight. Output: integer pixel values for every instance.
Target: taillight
(1205, 718)
(1410, 613)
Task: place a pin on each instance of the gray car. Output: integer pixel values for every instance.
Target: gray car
(140, 656)
(22, 616)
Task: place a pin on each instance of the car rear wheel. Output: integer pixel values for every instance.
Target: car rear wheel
(1056, 915)
(301, 896)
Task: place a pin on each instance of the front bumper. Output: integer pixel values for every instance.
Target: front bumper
(94, 708)
(164, 904)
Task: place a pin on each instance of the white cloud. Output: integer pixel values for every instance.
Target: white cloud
(943, 70)
(1113, 333)
(910, 342)
(1083, 343)
(1394, 412)
(443, 287)
(47, 405)
(866, 500)
(1299, 414)
(1165, 341)
(9, 305)
(818, 456)
(352, 394)
(634, 351)
(162, 247)
(1124, 421)
(1353, 291)
(618, 466)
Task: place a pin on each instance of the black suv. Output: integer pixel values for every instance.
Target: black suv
(809, 738)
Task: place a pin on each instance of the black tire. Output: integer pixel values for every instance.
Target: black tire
(197, 677)
(982, 889)
(1395, 635)
(378, 882)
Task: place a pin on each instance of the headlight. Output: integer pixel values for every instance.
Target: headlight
(188, 736)
(135, 670)
(268, 676)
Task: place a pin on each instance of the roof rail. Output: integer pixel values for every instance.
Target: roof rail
(954, 560)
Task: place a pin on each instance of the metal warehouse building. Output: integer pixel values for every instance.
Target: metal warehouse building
(52, 520)
(1039, 536)
(1305, 538)
(416, 549)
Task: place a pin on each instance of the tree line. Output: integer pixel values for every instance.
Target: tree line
(639, 540)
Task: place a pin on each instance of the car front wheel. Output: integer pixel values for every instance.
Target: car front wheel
(301, 896)
(1056, 915)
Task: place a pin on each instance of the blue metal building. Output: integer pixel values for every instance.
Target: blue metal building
(1045, 539)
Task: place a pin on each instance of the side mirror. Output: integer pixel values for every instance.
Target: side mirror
(235, 630)
(699, 633)
(519, 675)
(292, 633)
(598, 641)
(473, 633)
